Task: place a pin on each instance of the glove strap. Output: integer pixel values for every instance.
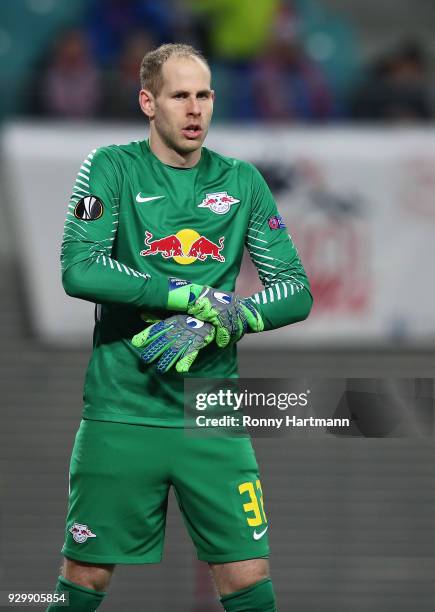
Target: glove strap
(181, 293)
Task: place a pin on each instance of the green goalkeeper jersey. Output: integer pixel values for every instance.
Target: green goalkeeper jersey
(133, 223)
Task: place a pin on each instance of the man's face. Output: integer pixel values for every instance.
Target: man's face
(182, 111)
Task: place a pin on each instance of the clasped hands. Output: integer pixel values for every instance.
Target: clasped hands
(210, 314)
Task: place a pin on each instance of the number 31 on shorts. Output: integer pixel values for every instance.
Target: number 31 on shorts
(254, 508)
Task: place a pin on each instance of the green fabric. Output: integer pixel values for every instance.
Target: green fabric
(87, 270)
(120, 480)
(160, 223)
(81, 599)
(259, 597)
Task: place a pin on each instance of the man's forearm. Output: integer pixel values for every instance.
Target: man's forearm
(105, 280)
(283, 303)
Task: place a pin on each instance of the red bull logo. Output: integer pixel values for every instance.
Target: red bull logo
(169, 246)
(220, 203)
(203, 248)
(81, 533)
(185, 247)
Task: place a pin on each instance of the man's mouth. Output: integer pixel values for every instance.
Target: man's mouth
(192, 131)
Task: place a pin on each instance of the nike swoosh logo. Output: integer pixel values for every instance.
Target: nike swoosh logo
(257, 536)
(139, 198)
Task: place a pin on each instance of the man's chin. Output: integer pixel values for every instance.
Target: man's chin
(189, 145)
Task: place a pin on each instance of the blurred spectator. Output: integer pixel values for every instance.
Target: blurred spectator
(69, 85)
(332, 42)
(397, 88)
(121, 85)
(236, 32)
(110, 23)
(288, 84)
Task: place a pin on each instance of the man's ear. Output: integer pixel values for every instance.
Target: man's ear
(146, 102)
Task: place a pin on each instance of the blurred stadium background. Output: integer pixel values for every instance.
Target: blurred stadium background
(335, 103)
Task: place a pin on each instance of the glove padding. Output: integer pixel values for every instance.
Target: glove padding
(230, 314)
(176, 340)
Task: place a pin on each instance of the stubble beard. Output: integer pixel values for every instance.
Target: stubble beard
(179, 144)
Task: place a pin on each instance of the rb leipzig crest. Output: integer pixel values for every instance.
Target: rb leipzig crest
(220, 203)
(81, 533)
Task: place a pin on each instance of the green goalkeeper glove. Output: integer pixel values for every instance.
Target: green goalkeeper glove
(228, 312)
(176, 340)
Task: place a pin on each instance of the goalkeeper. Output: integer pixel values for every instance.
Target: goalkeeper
(154, 236)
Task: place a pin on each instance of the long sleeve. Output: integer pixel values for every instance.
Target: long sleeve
(286, 297)
(88, 270)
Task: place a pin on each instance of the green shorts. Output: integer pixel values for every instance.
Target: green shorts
(120, 477)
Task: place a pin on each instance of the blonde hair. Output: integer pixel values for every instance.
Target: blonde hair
(151, 66)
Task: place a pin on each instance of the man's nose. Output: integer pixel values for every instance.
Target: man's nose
(194, 107)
